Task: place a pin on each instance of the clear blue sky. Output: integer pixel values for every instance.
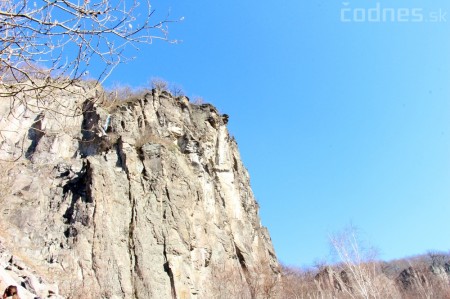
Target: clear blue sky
(337, 122)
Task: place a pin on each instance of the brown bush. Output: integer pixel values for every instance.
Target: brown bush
(159, 84)
(120, 95)
(147, 136)
(228, 282)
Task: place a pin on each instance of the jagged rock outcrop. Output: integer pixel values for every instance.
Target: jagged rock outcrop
(13, 271)
(335, 280)
(138, 199)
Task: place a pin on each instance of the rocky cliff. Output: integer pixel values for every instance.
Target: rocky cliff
(143, 198)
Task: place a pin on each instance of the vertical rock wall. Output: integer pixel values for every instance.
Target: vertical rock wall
(136, 200)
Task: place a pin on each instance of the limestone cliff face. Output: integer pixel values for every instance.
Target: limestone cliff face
(141, 199)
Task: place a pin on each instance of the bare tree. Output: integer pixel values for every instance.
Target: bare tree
(228, 282)
(262, 281)
(51, 44)
(361, 274)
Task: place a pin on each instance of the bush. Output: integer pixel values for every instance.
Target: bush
(119, 95)
(148, 137)
(159, 84)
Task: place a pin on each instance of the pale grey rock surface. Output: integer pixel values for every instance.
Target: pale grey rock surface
(137, 200)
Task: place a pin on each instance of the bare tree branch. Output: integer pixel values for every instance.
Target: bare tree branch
(54, 43)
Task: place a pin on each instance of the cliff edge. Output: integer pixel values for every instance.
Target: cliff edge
(142, 198)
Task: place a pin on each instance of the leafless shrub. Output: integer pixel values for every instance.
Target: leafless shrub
(228, 283)
(358, 275)
(119, 95)
(159, 84)
(356, 262)
(176, 90)
(198, 101)
(422, 280)
(298, 283)
(233, 281)
(121, 92)
(262, 281)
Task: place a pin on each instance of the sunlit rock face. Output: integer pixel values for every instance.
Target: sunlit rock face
(138, 199)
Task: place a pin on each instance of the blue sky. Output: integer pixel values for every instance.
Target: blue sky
(337, 122)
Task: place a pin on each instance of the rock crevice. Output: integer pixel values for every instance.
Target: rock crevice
(139, 200)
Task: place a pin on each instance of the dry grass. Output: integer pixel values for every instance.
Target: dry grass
(121, 95)
(228, 283)
(357, 275)
(149, 137)
(234, 281)
(321, 284)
